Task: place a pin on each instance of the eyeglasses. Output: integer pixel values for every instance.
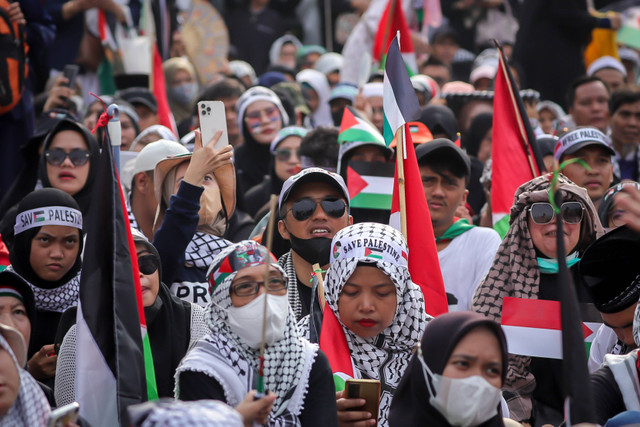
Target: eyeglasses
(284, 154)
(304, 208)
(247, 289)
(147, 264)
(56, 157)
(256, 115)
(543, 213)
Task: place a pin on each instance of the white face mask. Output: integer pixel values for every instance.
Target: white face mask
(246, 321)
(464, 402)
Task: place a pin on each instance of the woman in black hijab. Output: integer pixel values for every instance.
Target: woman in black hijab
(455, 376)
(47, 254)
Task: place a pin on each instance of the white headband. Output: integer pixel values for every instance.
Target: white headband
(48, 215)
(369, 248)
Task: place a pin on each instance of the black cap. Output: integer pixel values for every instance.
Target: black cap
(139, 95)
(610, 271)
(443, 145)
(439, 119)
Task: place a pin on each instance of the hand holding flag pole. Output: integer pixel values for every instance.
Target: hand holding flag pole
(272, 209)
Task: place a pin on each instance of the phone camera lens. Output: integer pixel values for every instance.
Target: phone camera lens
(208, 109)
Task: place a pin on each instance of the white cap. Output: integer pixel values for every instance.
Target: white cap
(329, 62)
(483, 71)
(152, 153)
(372, 89)
(606, 62)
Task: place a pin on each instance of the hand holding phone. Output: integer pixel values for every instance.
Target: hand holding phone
(213, 118)
(64, 415)
(367, 390)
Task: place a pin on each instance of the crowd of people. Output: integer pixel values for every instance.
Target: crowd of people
(301, 85)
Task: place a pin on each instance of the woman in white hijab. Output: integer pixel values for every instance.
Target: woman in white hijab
(317, 91)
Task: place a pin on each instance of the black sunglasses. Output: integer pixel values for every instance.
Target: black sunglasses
(542, 213)
(147, 264)
(56, 157)
(284, 154)
(304, 208)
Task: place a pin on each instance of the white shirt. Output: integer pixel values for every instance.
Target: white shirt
(466, 261)
(605, 342)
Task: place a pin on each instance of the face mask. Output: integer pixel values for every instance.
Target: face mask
(246, 321)
(314, 250)
(464, 402)
(184, 93)
(210, 208)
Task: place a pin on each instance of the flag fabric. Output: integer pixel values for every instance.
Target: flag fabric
(158, 87)
(629, 33)
(370, 185)
(399, 99)
(513, 151)
(114, 368)
(423, 254)
(392, 22)
(333, 343)
(534, 327)
(356, 128)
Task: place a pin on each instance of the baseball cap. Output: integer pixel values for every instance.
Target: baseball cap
(312, 175)
(139, 95)
(610, 271)
(152, 153)
(578, 138)
(443, 144)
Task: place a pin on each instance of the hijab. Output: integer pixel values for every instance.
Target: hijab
(276, 47)
(411, 404)
(171, 66)
(30, 407)
(384, 357)
(50, 296)
(284, 359)
(477, 130)
(318, 82)
(83, 197)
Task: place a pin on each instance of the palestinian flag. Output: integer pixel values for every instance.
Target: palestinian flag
(534, 328)
(391, 23)
(370, 185)
(333, 343)
(38, 216)
(514, 160)
(629, 33)
(114, 368)
(355, 128)
(399, 100)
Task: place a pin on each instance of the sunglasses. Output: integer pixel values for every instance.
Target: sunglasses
(284, 154)
(56, 157)
(147, 264)
(256, 115)
(304, 208)
(543, 213)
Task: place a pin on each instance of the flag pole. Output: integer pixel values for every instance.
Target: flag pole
(400, 150)
(523, 133)
(115, 133)
(387, 28)
(317, 271)
(272, 216)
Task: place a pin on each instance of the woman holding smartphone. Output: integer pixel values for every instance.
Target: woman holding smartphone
(381, 311)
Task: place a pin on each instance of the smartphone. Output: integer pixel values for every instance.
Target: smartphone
(70, 72)
(63, 415)
(212, 119)
(369, 390)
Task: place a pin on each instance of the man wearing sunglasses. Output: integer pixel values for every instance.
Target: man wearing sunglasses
(594, 148)
(313, 207)
(465, 252)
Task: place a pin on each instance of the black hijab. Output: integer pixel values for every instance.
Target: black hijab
(21, 251)
(83, 197)
(477, 130)
(410, 405)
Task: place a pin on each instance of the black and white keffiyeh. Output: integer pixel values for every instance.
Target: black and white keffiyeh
(286, 262)
(202, 413)
(203, 248)
(56, 299)
(386, 356)
(287, 364)
(31, 407)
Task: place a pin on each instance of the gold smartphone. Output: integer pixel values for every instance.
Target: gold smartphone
(369, 390)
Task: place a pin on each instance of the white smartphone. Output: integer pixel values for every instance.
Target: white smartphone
(63, 415)
(212, 119)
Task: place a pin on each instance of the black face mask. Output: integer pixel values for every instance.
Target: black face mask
(314, 250)
(337, 117)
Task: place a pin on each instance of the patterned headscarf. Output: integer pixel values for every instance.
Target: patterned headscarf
(515, 271)
(283, 366)
(386, 356)
(31, 407)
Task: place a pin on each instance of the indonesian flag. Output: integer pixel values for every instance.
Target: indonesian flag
(399, 99)
(370, 185)
(392, 22)
(512, 151)
(114, 368)
(534, 328)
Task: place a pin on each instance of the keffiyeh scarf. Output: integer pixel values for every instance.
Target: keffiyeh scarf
(31, 407)
(56, 299)
(203, 248)
(386, 356)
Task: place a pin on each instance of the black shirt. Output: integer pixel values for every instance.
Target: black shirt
(304, 292)
(607, 398)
